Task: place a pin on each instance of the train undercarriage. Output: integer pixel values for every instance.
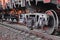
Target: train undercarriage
(48, 21)
(46, 17)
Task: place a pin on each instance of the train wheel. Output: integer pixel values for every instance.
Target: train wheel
(52, 22)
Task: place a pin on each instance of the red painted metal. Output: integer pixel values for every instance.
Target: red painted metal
(46, 1)
(58, 1)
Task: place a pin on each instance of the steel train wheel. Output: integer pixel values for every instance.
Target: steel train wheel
(53, 24)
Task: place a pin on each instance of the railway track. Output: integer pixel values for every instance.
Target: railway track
(16, 33)
(35, 34)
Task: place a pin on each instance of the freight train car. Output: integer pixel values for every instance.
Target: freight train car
(48, 18)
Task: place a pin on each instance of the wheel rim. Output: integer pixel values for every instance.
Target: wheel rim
(50, 29)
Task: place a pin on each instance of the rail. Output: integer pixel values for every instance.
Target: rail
(34, 32)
